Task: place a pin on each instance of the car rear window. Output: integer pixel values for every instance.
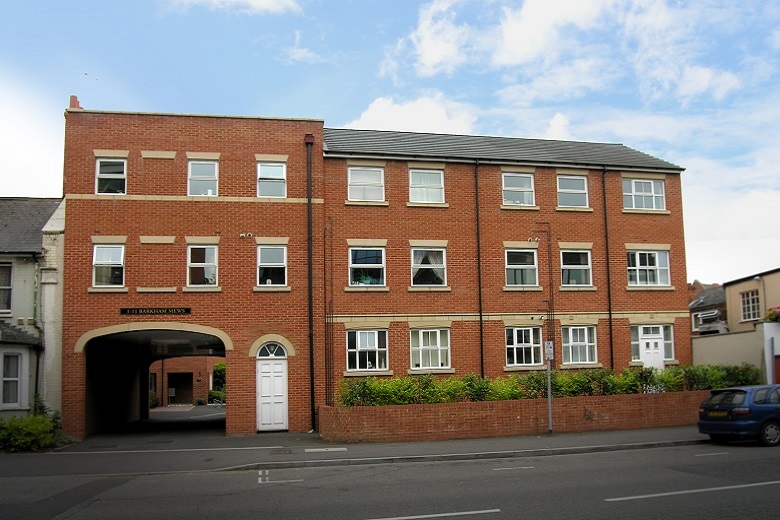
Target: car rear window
(727, 397)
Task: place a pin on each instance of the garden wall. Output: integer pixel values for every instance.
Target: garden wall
(429, 422)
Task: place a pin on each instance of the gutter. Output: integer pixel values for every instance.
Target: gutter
(309, 140)
(609, 271)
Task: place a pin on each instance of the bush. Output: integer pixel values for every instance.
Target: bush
(154, 401)
(422, 389)
(217, 396)
(32, 433)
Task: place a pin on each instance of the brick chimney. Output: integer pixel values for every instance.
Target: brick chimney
(74, 103)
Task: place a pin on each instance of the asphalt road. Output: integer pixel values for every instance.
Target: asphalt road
(695, 481)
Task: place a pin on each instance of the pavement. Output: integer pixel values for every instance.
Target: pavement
(185, 439)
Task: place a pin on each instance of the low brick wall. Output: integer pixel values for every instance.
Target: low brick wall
(467, 420)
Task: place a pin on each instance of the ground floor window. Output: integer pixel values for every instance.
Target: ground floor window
(523, 346)
(13, 391)
(367, 350)
(430, 348)
(579, 344)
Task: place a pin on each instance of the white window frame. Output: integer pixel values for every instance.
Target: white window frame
(513, 189)
(750, 305)
(21, 380)
(9, 289)
(521, 267)
(586, 345)
(431, 346)
(572, 191)
(271, 178)
(354, 186)
(214, 179)
(635, 196)
(110, 176)
(524, 343)
(576, 267)
(203, 265)
(697, 317)
(642, 268)
(355, 268)
(110, 264)
(273, 265)
(640, 332)
(416, 267)
(371, 343)
(437, 188)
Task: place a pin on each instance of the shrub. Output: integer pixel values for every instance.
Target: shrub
(218, 375)
(476, 387)
(31, 433)
(504, 389)
(217, 396)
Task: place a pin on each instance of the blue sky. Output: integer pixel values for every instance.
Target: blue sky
(694, 82)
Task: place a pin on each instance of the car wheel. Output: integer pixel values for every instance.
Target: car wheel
(770, 434)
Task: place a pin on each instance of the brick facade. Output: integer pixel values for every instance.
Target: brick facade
(155, 220)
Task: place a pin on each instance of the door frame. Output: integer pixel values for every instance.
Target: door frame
(274, 356)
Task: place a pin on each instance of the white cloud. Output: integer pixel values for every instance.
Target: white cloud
(697, 80)
(535, 30)
(774, 40)
(31, 141)
(558, 128)
(439, 43)
(432, 113)
(244, 6)
(299, 54)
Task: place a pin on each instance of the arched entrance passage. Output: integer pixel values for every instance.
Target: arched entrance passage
(272, 394)
(117, 360)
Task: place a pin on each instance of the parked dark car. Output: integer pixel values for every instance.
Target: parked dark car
(745, 412)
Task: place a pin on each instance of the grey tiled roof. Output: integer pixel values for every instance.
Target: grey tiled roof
(408, 145)
(21, 222)
(11, 334)
(710, 297)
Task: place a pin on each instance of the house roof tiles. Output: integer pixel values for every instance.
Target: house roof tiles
(21, 223)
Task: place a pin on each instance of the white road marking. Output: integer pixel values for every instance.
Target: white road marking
(441, 515)
(693, 491)
(263, 478)
(318, 450)
(518, 467)
(712, 454)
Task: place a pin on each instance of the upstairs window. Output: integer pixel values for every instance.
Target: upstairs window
(111, 176)
(271, 179)
(366, 350)
(644, 194)
(750, 305)
(572, 191)
(648, 268)
(521, 267)
(203, 178)
(429, 267)
(5, 288)
(366, 266)
(575, 268)
(518, 189)
(366, 184)
(108, 266)
(426, 186)
(201, 266)
(271, 265)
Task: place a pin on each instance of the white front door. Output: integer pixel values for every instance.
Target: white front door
(651, 347)
(271, 393)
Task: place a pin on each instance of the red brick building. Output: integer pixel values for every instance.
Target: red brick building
(304, 255)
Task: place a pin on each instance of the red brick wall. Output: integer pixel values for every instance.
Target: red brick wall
(238, 311)
(200, 367)
(429, 422)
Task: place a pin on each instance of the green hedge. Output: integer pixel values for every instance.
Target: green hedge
(35, 432)
(427, 389)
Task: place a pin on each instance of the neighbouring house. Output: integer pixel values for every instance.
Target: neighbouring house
(304, 255)
(753, 332)
(182, 380)
(24, 349)
(708, 308)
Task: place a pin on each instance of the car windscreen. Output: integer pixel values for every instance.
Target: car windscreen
(728, 397)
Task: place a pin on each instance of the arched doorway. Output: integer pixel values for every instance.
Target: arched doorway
(272, 388)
